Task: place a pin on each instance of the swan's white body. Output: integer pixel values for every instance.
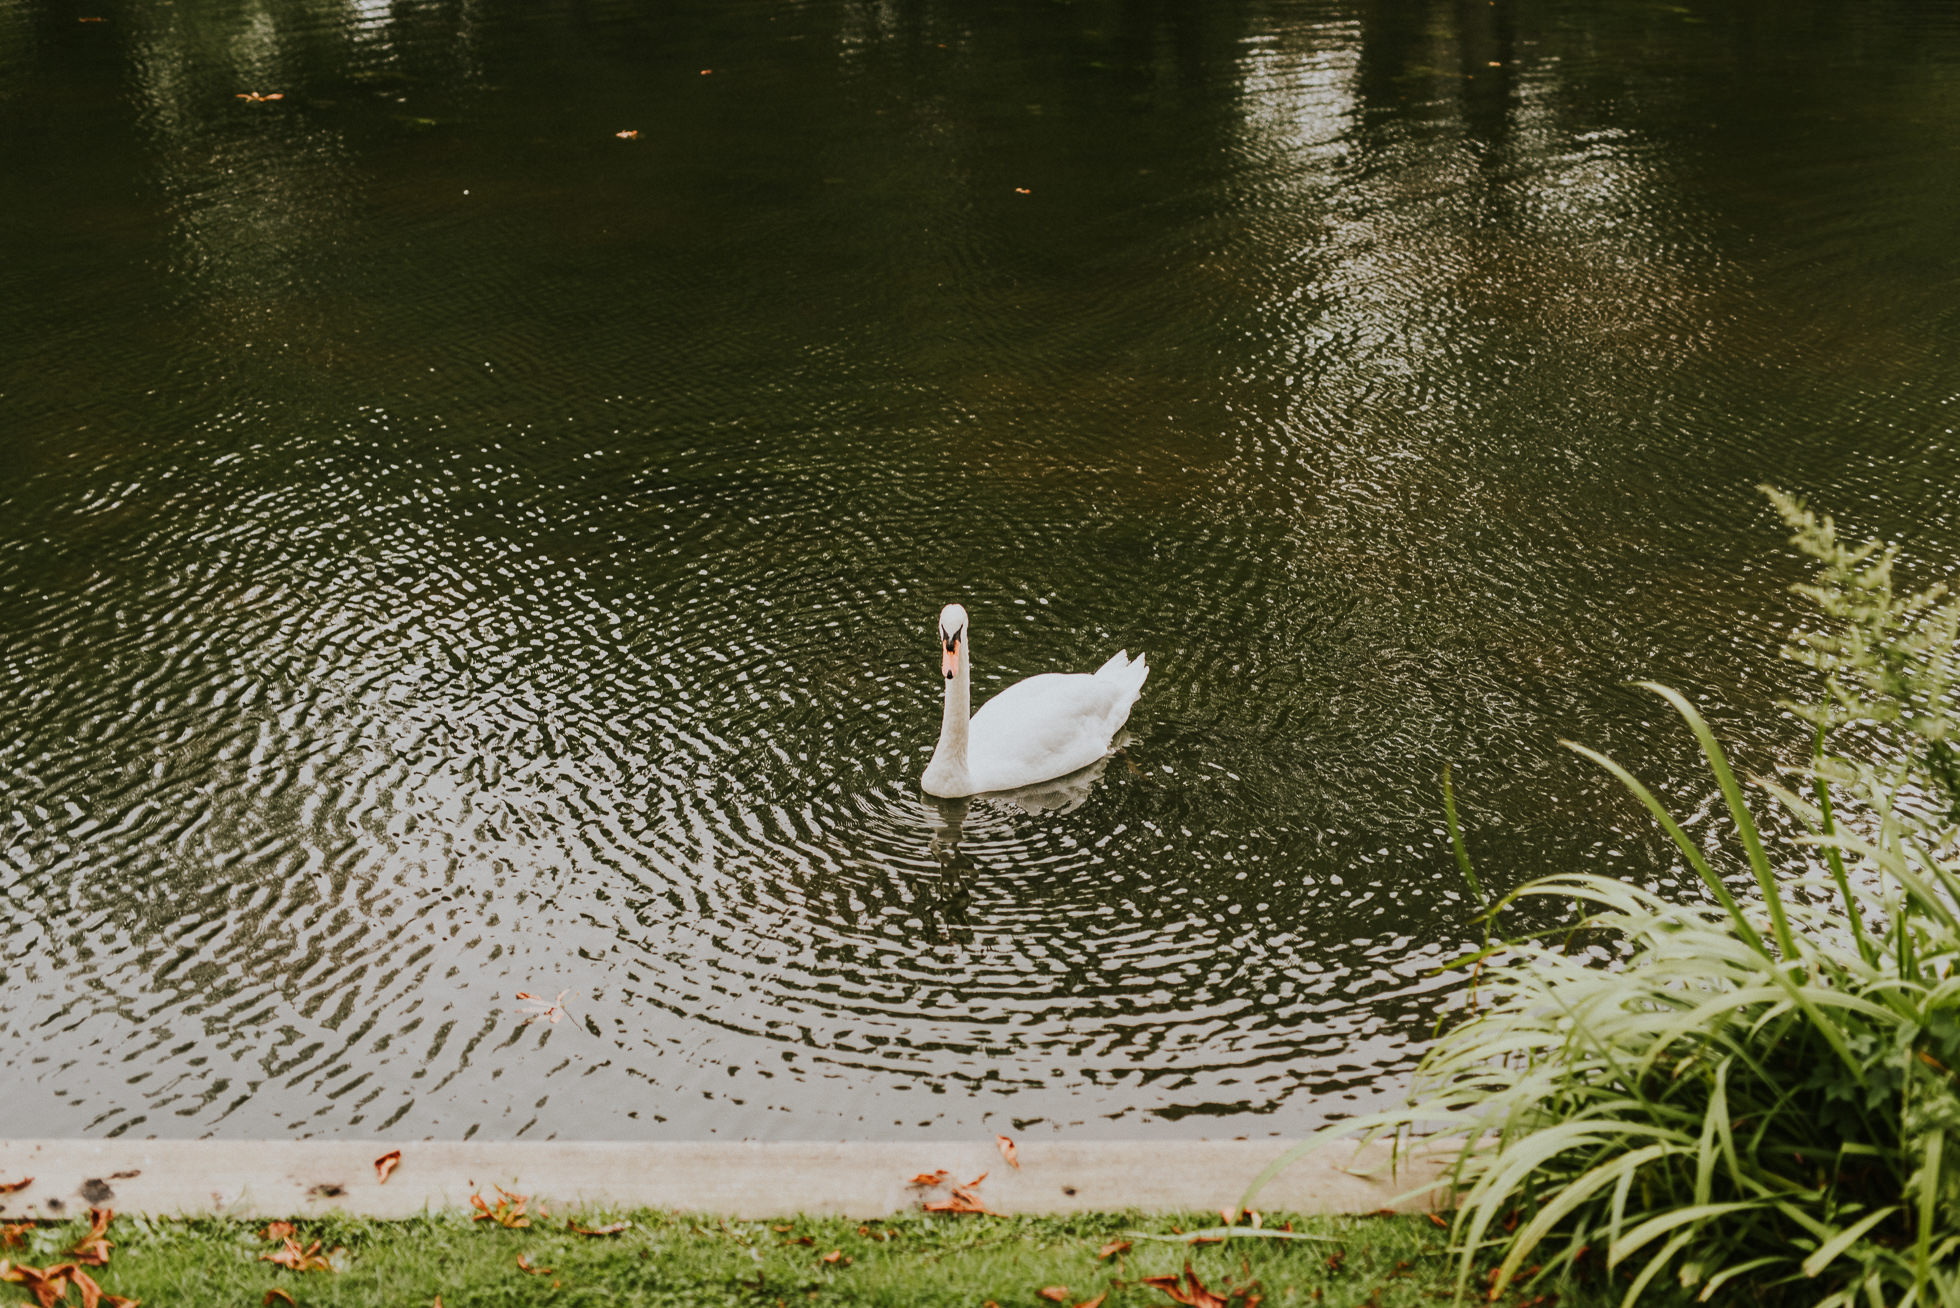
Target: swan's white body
(1035, 730)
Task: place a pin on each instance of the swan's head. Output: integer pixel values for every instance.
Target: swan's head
(952, 633)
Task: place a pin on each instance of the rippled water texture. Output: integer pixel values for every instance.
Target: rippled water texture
(449, 548)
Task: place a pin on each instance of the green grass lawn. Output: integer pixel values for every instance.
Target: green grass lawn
(916, 1261)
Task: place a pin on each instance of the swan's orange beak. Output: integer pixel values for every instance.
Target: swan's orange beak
(949, 662)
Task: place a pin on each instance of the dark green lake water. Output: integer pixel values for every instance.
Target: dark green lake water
(449, 548)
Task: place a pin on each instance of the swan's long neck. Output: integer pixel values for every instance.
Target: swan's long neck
(949, 759)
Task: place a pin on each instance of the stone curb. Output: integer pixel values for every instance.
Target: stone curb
(303, 1178)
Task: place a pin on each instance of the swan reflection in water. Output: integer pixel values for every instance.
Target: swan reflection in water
(943, 905)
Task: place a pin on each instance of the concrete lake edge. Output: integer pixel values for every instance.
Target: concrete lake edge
(255, 1179)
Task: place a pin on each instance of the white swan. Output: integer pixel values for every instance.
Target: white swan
(1036, 729)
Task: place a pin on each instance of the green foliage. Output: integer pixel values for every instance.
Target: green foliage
(680, 1260)
(1760, 1093)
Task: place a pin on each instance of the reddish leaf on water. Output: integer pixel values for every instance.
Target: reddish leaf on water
(386, 1164)
(524, 1264)
(277, 1231)
(1113, 1248)
(923, 1179)
(1008, 1151)
(541, 1007)
(272, 1294)
(93, 1248)
(1053, 1293)
(613, 1229)
(11, 1187)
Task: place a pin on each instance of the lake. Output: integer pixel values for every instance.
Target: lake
(478, 479)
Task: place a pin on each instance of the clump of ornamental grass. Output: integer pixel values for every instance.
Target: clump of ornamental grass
(1762, 1094)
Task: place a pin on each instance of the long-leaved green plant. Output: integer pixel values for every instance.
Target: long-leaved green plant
(1761, 1093)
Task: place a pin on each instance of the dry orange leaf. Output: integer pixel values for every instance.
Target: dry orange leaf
(385, 1164)
(524, 1264)
(978, 1179)
(256, 98)
(276, 1293)
(508, 1212)
(961, 1201)
(1022, 190)
(294, 1258)
(10, 1233)
(1192, 1293)
(1113, 1248)
(706, 71)
(1053, 1293)
(1008, 1151)
(10, 1187)
(93, 1248)
(613, 1229)
(1095, 1302)
(628, 136)
(834, 1256)
(277, 1230)
(928, 1179)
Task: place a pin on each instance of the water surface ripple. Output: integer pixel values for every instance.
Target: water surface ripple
(450, 549)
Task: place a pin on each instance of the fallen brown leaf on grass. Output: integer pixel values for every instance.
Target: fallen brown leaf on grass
(508, 1212)
(294, 1258)
(961, 1200)
(272, 1294)
(1008, 1151)
(1438, 1220)
(1095, 1302)
(924, 1179)
(49, 1285)
(613, 1228)
(1052, 1293)
(385, 1164)
(11, 1187)
(524, 1264)
(836, 1256)
(10, 1233)
(93, 1248)
(1192, 1293)
(277, 1230)
(1113, 1248)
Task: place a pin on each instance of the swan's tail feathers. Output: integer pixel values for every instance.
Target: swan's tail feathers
(1128, 674)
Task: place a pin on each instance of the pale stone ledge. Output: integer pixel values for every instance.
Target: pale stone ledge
(291, 1178)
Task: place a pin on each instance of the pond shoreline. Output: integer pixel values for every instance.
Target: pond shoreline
(746, 1179)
